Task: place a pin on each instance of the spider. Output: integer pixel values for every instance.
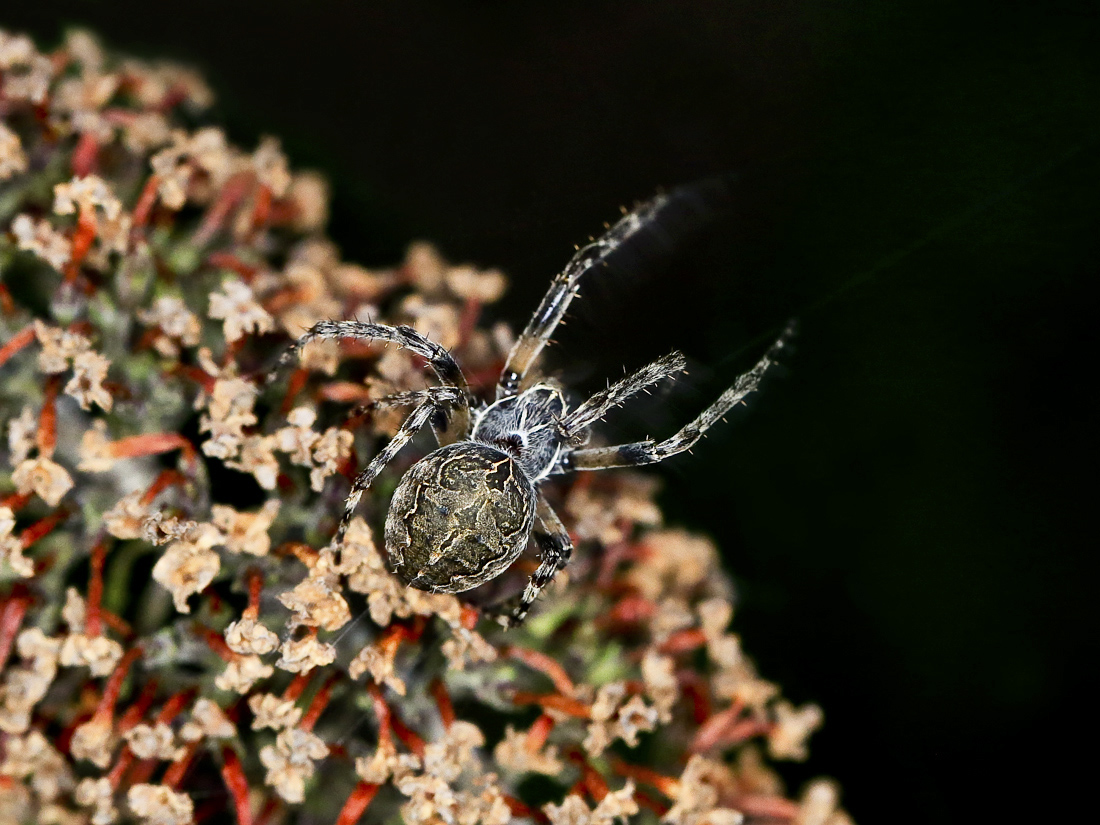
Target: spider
(463, 514)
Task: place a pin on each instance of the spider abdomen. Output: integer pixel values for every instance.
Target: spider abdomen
(458, 518)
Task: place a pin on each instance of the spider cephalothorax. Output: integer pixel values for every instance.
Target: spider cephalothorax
(462, 514)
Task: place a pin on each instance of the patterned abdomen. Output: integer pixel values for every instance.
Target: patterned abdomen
(459, 517)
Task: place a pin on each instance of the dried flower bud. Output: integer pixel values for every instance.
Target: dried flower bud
(160, 805)
(248, 637)
(305, 654)
(273, 712)
(242, 673)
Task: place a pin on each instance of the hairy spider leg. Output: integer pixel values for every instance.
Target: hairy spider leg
(563, 289)
(649, 452)
(457, 423)
(417, 419)
(557, 548)
(606, 400)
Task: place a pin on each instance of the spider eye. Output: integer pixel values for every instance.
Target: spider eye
(512, 443)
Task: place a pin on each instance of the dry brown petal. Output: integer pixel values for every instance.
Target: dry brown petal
(330, 451)
(246, 532)
(22, 434)
(257, 456)
(46, 478)
(513, 753)
(125, 519)
(186, 568)
(378, 661)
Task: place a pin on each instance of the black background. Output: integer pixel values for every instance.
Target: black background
(907, 506)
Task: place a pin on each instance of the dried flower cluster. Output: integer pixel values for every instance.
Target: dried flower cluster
(177, 632)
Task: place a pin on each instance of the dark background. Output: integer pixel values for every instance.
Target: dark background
(906, 507)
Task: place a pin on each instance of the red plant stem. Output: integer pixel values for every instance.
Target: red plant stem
(470, 616)
(118, 624)
(85, 154)
(296, 688)
(539, 732)
(697, 691)
(443, 702)
(255, 588)
(382, 711)
(409, 738)
(145, 203)
(6, 302)
(715, 729)
(136, 712)
(42, 528)
(227, 260)
(176, 704)
(199, 376)
(684, 640)
(93, 622)
(11, 619)
(178, 769)
(16, 343)
(552, 701)
(47, 421)
(591, 779)
(261, 211)
(232, 191)
(468, 320)
(319, 703)
(295, 385)
(629, 610)
(235, 781)
(106, 708)
(15, 501)
(770, 807)
(166, 479)
(544, 664)
(357, 803)
(270, 807)
(216, 642)
(521, 810)
(665, 784)
(82, 242)
(145, 444)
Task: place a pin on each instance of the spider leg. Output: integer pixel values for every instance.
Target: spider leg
(557, 548)
(563, 289)
(649, 452)
(604, 401)
(439, 359)
(417, 419)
